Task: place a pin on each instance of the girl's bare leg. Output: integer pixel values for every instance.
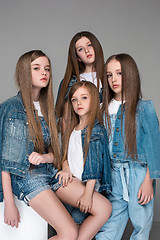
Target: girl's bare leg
(100, 212)
(48, 206)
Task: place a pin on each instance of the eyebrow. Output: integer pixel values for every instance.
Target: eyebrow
(116, 70)
(82, 46)
(36, 64)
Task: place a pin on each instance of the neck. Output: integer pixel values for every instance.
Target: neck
(35, 95)
(89, 68)
(83, 122)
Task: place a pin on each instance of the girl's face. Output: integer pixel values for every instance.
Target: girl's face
(81, 102)
(114, 77)
(40, 70)
(85, 51)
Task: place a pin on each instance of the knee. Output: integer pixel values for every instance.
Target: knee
(73, 233)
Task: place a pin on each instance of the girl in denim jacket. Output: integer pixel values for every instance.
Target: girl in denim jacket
(86, 155)
(30, 155)
(85, 62)
(134, 144)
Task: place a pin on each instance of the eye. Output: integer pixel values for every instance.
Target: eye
(80, 49)
(36, 68)
(109, 75)
(47, 69)
(119, 73)
(90, 45)
(84, 97)
(73, 100)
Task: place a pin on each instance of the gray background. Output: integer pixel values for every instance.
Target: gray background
(130, 26)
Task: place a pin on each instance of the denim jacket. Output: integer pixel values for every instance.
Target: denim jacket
(147, 137)
(15, 143)
(72, 81)
(97, 165)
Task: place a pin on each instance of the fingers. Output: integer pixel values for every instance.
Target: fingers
(12, 223)
(35, 158)
(144, 199)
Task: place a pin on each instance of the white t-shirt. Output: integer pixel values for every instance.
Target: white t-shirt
(38, 108)
(90, 77)
(75, 154)
(114, 106)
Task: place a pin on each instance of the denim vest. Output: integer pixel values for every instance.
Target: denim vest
(97, 165)
(72, 81)
(147, 137)
(15, 143)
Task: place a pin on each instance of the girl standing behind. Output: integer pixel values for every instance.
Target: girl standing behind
(134, 144)
(86, 151)
(85, 62)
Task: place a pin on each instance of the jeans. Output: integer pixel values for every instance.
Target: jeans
(126, 181)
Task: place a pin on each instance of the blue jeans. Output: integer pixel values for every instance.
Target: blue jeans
(126, 181)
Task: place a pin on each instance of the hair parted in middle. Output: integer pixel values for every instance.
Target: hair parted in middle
(73, 118)
(75, 67)
(23, 78)
(131, 93)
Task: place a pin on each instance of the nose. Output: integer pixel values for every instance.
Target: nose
(43, 72)
(86, 49)
(78, 101)
(114, 78)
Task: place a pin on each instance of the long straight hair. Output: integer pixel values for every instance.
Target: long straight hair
(24, 80)
(131, 93)
(75, 67)
(73, 118)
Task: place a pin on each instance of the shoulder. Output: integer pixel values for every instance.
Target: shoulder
(146, 106)
(98, 129)
(12, 105)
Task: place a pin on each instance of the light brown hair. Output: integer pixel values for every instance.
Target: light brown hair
(131, 93)
(73, 118)
(24, 80)
(75, 67)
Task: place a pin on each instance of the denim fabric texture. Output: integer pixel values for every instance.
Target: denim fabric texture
(128, 175)
(148, 138)
(15, 143)
(97, 165)
(72, 81)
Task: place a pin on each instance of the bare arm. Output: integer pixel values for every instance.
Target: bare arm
(11, 213)
(85, 200)
(145, 193)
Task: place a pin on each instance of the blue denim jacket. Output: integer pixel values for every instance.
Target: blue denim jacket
(148, 138)
(72, 81)
(97, 165)
(15, 143)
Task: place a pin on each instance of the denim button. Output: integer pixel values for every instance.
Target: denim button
(117, 129)
(115, 144)
(119, 116)
(115, 155)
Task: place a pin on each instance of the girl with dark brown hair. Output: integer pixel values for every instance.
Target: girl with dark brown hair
(85, 62)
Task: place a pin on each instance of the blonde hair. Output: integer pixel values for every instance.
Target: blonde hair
(24, 80)
(73, 118)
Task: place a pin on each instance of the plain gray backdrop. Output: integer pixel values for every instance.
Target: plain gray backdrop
(128, 26)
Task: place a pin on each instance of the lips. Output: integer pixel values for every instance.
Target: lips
(115, 86)
(89, 56)
(43, 79)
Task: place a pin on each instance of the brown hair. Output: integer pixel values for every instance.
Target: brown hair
(73, 118)
(24, 80)
(131, 91)
(75, 67)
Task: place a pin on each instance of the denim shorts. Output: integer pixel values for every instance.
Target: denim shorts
(41, 178)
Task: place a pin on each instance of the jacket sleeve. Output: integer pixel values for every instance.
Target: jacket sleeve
(151, 142)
